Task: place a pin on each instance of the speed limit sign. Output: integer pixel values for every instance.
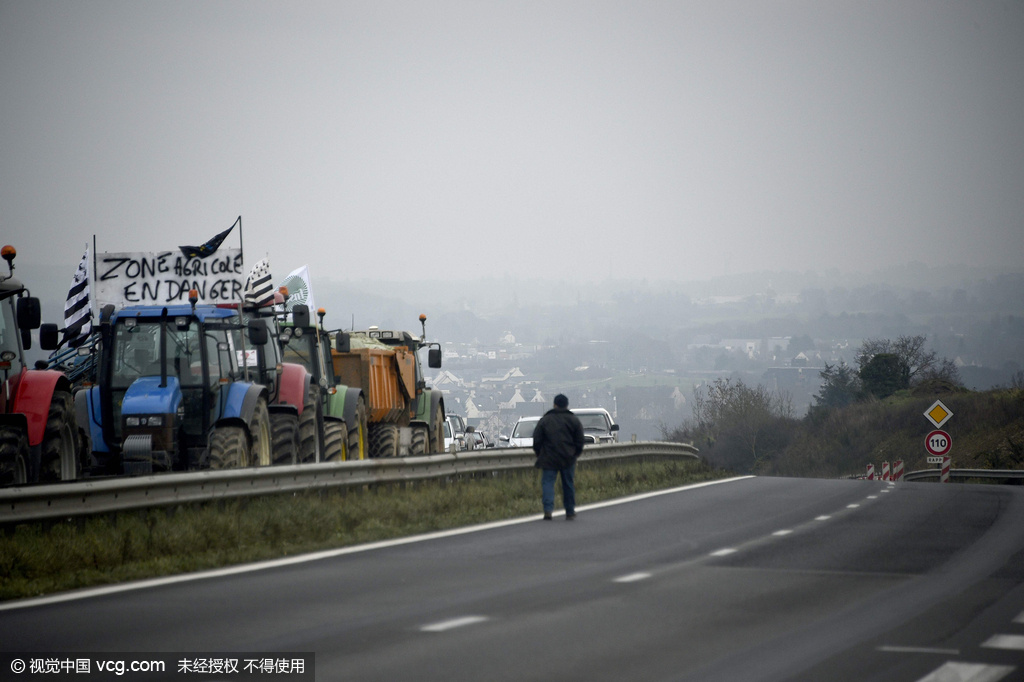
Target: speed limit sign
(938, 443)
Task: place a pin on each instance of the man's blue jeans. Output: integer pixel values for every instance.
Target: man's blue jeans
(547, 488)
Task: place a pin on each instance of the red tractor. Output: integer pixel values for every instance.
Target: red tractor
(39, 439)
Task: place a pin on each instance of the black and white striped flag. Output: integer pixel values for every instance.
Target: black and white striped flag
(259, 289)
(78, 308)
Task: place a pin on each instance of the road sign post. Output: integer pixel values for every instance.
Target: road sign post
(938, 443)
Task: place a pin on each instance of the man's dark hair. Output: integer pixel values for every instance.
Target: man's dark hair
(561, 401)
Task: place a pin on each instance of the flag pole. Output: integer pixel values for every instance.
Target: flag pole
(94, 301)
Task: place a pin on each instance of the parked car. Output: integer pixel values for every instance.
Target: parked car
(522, 432)
(598, 426)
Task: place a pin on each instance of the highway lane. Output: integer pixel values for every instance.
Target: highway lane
(752, 579)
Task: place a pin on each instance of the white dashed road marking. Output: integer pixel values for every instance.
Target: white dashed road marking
(968, 672)
(633, 577)
(724, 552)
(453, 623)
(918, 650)
(780, 533)
(1012, 642)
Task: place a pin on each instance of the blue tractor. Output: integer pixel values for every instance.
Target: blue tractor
(177, 389)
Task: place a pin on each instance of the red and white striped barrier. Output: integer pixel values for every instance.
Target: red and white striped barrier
(871, 472)
(897, 470)
(885, 471)
(946, 464)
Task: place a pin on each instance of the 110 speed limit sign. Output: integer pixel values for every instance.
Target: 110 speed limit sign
(938, 443)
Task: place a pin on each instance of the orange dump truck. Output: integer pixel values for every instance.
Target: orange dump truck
(404, 416)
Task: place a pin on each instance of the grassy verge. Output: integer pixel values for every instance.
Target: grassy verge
(37, 559)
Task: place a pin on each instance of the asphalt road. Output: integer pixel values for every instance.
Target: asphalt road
(751, 579)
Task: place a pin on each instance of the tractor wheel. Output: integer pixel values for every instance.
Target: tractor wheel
(259, 436)
(357, 434)
(418, 446)
(226, 448)
(311, 427)
(383, 440)
(59, 460)
(285, 428)
(437, 432)
(334, 440)
(13, 457)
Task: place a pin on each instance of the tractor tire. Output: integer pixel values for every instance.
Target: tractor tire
(418, 446)
(59, 460)
(13, 457)
(311, 427)
(334, 440)
(357, 433)
(285, 428)
(383, 440)
(436, 445)
(227, 448)
(260, 436)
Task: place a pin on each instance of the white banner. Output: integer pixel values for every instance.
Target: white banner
(165, 277)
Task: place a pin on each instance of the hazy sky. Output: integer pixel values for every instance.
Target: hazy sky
(403, 140)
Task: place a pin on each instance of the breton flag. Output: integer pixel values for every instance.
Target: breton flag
(259, 289)
(300, 290)
(77, 308)
(209, 247)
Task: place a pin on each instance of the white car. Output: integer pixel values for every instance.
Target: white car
(598, 426)
(522, 432)
(454, 432)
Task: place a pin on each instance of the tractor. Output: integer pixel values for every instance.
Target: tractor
(39, 441)
(175, 390)
(405, 417)
(341, 424)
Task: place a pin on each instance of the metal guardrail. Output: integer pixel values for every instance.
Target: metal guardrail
(66, 500)
(994, 474)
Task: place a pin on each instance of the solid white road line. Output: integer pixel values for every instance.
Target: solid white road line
(330, 553)
(445, 625)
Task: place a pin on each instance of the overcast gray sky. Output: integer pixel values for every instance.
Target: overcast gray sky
(403, 140)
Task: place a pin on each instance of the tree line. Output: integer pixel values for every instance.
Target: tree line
(753, 429)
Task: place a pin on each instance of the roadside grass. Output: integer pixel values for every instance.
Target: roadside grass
(42, 558)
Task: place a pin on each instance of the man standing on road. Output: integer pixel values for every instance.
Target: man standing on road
(558, 441)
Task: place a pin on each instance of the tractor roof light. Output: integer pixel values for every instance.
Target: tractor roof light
(9, 252)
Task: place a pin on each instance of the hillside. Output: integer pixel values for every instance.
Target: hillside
(987, 430)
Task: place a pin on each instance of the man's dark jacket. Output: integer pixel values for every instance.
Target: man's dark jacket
(557, 439)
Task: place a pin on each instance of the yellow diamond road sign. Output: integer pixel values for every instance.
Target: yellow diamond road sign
(938, 414)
